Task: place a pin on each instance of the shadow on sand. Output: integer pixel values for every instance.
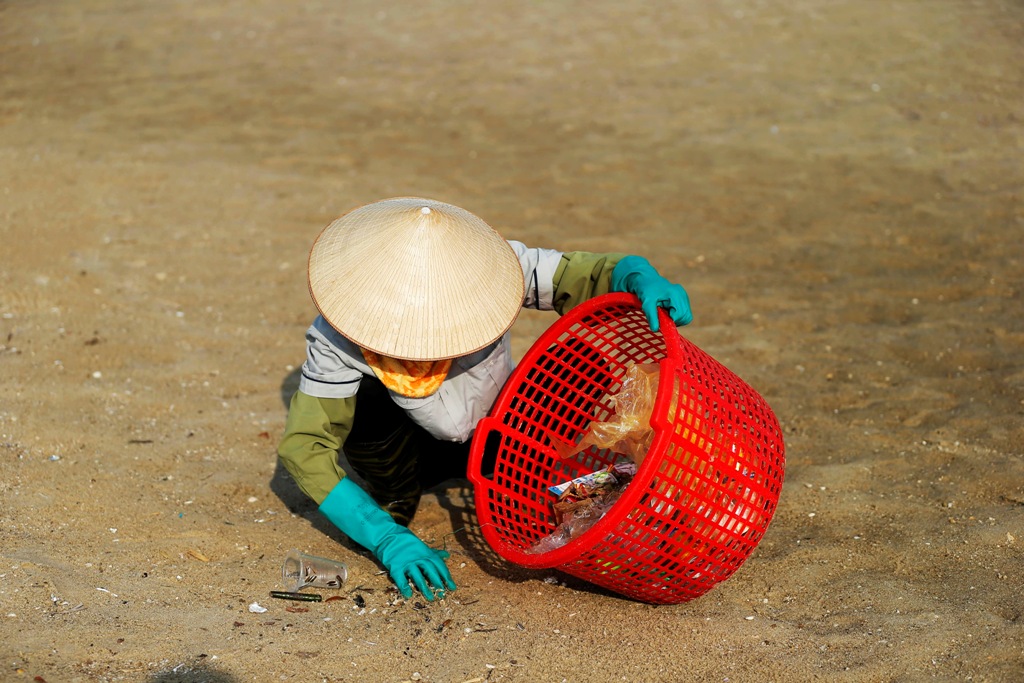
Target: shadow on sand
(199, 672)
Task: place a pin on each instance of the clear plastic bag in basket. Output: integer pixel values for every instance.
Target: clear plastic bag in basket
(628, 431)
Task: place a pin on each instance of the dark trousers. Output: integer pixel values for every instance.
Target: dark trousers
(397, 458)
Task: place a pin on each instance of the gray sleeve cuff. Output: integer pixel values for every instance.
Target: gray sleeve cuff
(329, 370)
(539, 266)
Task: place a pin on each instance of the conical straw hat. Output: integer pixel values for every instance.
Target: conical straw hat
(415, 279)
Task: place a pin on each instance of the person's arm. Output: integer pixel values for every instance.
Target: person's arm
(583, 275)
(315, 431)
(407, 558)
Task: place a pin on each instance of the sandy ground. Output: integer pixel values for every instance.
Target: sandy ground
(838, 184)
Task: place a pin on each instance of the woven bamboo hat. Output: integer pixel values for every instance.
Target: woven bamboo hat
(415, 279)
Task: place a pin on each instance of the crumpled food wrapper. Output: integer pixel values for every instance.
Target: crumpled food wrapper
(582, 502)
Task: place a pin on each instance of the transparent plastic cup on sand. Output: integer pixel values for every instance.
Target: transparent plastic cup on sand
(300, 570)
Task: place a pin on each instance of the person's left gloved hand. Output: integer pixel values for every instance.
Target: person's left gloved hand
(635, 275)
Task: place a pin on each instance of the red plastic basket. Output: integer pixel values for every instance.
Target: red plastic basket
(698, 505)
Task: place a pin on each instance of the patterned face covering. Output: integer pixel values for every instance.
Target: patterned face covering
(412, 378)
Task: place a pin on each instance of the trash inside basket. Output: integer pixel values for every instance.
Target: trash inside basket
(699, 503)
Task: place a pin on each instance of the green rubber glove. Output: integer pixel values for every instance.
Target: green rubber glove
(405, 556)
(635, 275)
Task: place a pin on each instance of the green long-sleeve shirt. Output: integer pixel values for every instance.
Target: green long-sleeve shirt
(316, 428)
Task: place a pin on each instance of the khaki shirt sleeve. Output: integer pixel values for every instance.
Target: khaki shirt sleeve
(314, 433)
(582, 275)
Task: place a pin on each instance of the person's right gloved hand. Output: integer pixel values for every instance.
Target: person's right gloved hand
(406, 557)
